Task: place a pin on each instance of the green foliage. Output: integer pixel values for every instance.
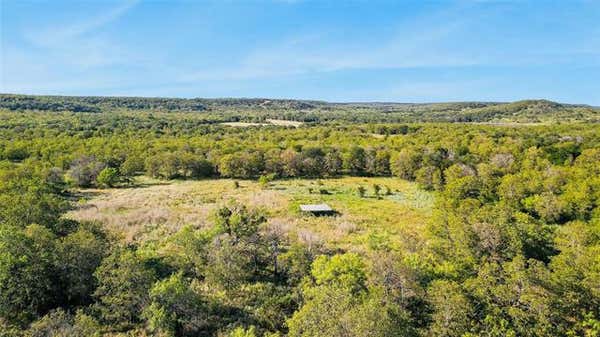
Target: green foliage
(164, 165)
(241, 332)
(124, 282)
(132, 166)
(62, 324)
(339, 303)
(354, 160)
(27, 284)
(429, 178)
(108, 177)
(361, 191)
(229, 263)
(264, 180)
(452, 310)
(26, 197)
(84, 171)
(376, 190)
(346, 271)
(511, 249)
(241, 165)
(232, 109)
(175, 309)
(185, 251)
(296, 263)
(405, 163)
(81, 252)
(238, 222)
(15, 152)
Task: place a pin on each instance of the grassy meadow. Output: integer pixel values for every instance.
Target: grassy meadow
(392, 219)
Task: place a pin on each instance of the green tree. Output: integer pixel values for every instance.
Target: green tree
(84, 170)
(344, 270)
(123, 284)
(332, 163)
(175, 309)
(132, 166)
(59, 323)
(354, 160)
(80, 253)
(377, 162)
(28, 287)
(376, 190)
(108, 177)
(242, 332)
(230, 263)
(429, 178)
(238, 222)
(452, 311)
(340, 304)
(264, 180)
(361, 191)
(405, 163)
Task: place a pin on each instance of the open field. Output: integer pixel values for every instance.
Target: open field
(283, 122)
(393, 220)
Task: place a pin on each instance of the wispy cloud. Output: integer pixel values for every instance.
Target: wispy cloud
(60, 34)
(82, 44)
(411, 46)
(61, 55)
(451, 37)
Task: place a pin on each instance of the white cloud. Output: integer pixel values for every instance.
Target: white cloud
(55, 35)
(66, 57)
(417, 43)
(452, 37)
(82, 44)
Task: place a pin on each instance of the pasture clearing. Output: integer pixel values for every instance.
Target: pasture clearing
(393, 220)
(277, 122)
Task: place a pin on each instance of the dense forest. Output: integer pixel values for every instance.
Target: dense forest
(512, 248)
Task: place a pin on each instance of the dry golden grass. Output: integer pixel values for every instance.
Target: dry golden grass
(393, 220)
(283, 122)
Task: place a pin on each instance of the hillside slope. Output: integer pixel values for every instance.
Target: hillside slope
(259, 109)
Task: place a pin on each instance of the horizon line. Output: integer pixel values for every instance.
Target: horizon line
(307, 99)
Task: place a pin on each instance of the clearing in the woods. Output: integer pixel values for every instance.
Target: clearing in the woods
(393, 217)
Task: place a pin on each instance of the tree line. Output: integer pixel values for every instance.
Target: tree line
(259, 109)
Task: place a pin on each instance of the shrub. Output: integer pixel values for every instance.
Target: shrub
(84, 171)
(108, 177)
(376, 190)
(361, 191)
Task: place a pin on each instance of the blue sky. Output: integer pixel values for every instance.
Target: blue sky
(404, 51)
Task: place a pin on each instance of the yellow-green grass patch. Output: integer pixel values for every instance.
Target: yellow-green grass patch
(394, 219)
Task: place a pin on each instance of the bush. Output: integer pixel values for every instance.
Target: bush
(108, 177)
(132, 166)
(123, 284)
(376, 190)
(16, 153)
(264, 180)
(361, 191)
(84, 171)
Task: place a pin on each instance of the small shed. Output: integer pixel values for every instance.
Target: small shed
(317, 209)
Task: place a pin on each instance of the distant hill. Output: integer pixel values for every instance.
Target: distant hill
(99, 103)
(526, 111)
